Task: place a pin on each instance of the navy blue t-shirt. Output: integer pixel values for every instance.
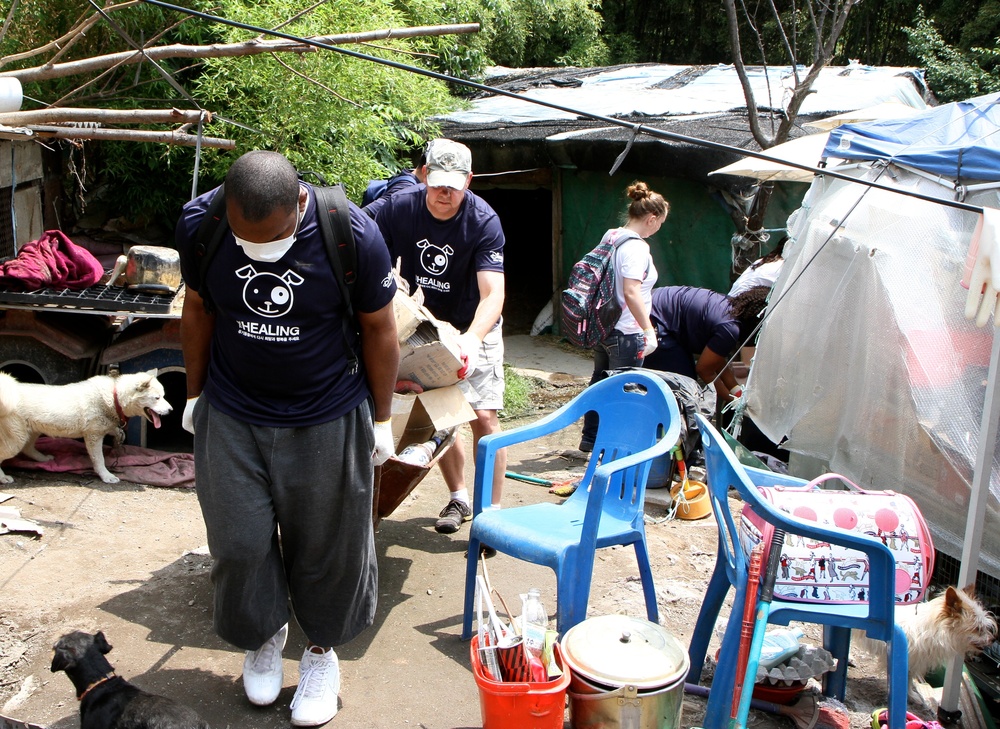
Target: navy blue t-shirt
(394, 184)
(443, 256)
(696, 318)
(278, 355)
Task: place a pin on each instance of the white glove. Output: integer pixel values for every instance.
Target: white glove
(982, 270)
(384, 446)
(650, 344)
(187, 419)
(736, 393)
(468, 345)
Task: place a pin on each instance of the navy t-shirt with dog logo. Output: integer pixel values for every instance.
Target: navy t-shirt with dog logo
(278, 354)
(443, 256)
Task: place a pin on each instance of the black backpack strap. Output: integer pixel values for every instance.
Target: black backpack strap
(335, 225)
(213, 226)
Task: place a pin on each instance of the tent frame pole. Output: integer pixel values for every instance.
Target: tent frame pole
(978, 499)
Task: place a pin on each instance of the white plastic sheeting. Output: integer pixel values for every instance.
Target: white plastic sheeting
(866, 360)
(651, 90)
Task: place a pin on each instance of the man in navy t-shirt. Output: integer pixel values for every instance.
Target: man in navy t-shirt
(286, 431)
(451, 244)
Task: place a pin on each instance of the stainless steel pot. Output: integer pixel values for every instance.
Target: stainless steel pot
(627, 673)
(155, 269)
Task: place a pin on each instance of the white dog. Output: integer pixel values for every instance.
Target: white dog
(90, 409)
(953, 624)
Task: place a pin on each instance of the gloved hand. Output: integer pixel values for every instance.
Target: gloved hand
(736, 393)
(468, 345)
(982, 270)
(187, 419)
(384, 446)
(650, 345)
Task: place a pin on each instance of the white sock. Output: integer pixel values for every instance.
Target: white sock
(461, 495)
(493, 506)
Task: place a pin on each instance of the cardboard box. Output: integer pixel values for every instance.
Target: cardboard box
(409, 313)
(427, 360)
(415, 418)
(428, 354)
(428, 357)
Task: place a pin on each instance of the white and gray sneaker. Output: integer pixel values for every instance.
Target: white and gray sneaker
(315, 700)
(262, 670)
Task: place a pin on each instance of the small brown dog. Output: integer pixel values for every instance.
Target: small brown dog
(953, 624)
(108, 701)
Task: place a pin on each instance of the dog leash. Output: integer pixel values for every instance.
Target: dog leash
(95, 684)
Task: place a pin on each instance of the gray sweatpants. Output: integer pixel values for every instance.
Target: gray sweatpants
(289, 515)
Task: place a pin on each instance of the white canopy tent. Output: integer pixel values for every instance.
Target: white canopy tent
(866, 361)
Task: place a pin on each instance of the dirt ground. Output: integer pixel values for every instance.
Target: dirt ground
(131, 560)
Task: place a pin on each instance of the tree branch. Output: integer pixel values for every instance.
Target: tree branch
(247, 48)
(68, 38)
(10, 17)
(130, 135)
(741, 73)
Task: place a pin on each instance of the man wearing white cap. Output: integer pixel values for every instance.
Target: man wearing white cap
(451, 245)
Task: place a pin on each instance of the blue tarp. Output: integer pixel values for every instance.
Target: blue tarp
(960, 141)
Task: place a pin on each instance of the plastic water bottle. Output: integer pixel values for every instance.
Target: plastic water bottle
(420, 454)
(779, 646)
(534, 623)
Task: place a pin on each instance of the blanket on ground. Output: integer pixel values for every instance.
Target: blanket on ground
(129, 463)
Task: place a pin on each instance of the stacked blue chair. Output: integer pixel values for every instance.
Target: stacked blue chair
(731, 567)
(639, 421)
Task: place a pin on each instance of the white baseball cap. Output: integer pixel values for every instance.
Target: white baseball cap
(448, 164)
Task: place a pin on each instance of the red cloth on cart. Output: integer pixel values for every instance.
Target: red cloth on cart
(52, 261)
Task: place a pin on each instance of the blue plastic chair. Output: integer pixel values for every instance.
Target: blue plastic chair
(639, 421)
(731, 567)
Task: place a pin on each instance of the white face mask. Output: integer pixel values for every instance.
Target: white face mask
(271, 251)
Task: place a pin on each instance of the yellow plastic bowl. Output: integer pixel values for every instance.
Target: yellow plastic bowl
(696, 504)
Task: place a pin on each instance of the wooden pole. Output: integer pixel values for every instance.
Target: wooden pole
(130, 135)
(55, 115)
(225, 50)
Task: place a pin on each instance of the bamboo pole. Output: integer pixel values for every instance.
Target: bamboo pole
(226, 50)
(55, 115)
(130, 135)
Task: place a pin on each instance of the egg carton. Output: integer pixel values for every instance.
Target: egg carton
(810, 662)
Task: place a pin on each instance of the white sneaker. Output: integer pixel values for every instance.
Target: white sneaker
(315, 700)
(262, 671)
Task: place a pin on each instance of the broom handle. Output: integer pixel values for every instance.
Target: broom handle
(746, 631)
(763, 610)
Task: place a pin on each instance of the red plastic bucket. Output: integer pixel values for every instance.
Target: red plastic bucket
(539, 705)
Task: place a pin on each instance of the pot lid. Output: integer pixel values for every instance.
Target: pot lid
(617, 650)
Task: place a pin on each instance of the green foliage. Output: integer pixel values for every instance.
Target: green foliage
(524, 33)
(517, 394)
(951, 74)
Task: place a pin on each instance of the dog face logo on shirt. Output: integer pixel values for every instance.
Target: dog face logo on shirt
(269, 294)
(434, 259)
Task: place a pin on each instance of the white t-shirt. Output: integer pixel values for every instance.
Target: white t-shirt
(632, 260)
(764, 275)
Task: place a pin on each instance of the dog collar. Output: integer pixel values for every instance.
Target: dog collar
(95, 684)
(118, 407)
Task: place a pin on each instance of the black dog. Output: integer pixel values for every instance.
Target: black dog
(108, 701)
